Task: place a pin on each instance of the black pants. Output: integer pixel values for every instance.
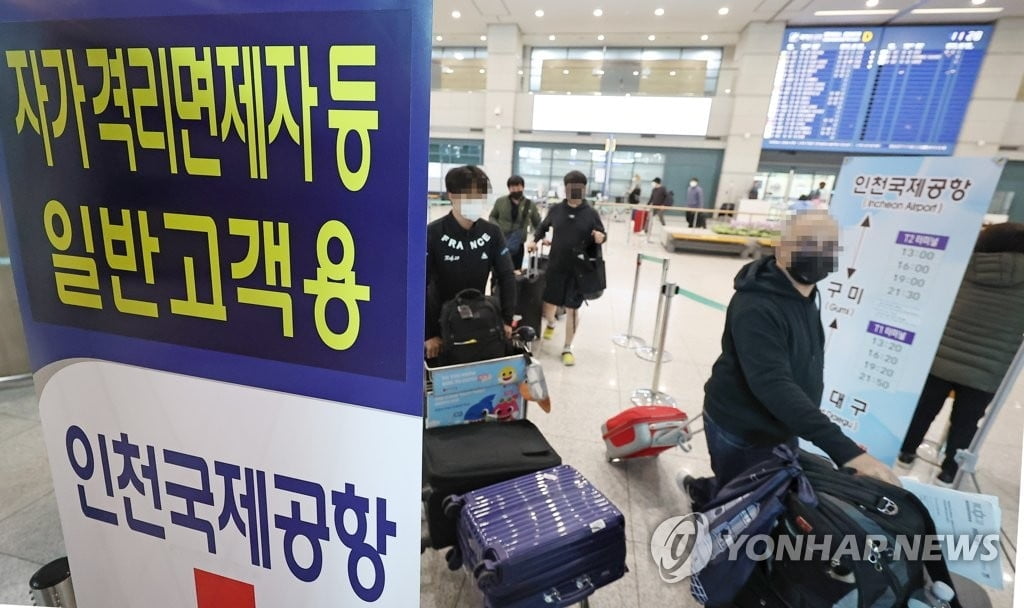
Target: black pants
(517, 256)
(968, 408)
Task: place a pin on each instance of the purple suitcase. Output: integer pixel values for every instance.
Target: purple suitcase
(545, 539)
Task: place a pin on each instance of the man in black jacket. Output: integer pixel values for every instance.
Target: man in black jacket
(462, 251)
(577, 225)
(658, 198)
(765, 388)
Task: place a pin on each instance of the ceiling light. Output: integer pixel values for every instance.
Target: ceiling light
(723, 11)
(439, 38)
(727, 91)
(456, 14)
(856, 13)
(568, 92)
(871, 3)
(955, 11)
(538, 13)
(598, 12)
(658, 12)
(704, 37)
(483, 38)
(652, 37)
(672, 73)
(977, 2)
(482, 70)
(600, 37)
(636, 73)
(460, 56)
(551, 37)
(566, 72)
(599, 72)
(520, 72)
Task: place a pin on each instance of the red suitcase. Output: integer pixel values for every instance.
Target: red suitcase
(639, 220)
(644, 431)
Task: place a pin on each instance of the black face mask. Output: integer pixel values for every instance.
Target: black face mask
(809, 267)
(574, 193)
(516, 196)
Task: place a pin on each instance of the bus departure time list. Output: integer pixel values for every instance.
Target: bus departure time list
(897, 90)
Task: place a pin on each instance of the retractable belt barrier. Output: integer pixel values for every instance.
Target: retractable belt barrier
(653, 395)
(629, 339)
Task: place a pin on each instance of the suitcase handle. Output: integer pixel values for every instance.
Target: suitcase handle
(584, 587)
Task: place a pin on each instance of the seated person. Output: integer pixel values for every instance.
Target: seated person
(462, 251)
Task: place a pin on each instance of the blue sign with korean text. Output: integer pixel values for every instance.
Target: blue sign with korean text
(908, 227)
(216, 222)
(216, 183)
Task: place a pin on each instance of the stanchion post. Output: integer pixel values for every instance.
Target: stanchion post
(668, 290)
(650, 353)
(628, 339)
(968, 459)
(653, 395)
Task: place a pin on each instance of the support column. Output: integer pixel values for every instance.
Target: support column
(504, 60)
(757, 56)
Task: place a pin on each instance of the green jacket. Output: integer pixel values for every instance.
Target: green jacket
(984, 330)
(502, 216)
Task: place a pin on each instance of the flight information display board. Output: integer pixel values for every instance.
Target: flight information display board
(892, 90)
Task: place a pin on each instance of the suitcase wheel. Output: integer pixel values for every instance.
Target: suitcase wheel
(454, 559)
(451, 507)
(485, 576)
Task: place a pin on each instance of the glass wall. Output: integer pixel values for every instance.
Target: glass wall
(543, 166)
(787, 187)
(458, 69)
(665, 72)
(446, 154)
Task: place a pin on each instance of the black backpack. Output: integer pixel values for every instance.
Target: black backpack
(854, 506)
(670, 198)
(472, 328)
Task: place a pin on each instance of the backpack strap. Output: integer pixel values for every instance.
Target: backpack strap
(937, 569)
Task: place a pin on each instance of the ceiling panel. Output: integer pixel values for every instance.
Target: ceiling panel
(629, 22)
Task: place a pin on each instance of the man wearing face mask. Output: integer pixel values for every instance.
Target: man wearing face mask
(515, 215)
(462, 251)
(766, 386)
(576, 225)
(695, 200)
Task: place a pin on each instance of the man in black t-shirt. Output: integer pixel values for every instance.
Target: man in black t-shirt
(462, 251)
(577, 225)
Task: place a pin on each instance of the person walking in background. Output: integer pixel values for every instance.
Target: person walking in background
(695, 200)
(576, 226)
(515, 215)
(633, 196)
(980, 340)
(657, 199)
(765, 388)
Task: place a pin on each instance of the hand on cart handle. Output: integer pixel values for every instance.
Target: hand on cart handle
(869, 466)
(432, 347)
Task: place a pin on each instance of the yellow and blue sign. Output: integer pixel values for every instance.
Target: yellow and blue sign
(216, 225)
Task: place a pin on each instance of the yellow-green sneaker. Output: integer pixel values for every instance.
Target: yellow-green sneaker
(568, 359)
(549, 332)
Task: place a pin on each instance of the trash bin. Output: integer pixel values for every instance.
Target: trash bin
(51, 585)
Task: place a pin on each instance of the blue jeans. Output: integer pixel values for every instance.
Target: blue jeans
(731, 455)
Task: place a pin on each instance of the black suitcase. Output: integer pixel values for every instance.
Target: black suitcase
(463, 458)
(530, 293)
